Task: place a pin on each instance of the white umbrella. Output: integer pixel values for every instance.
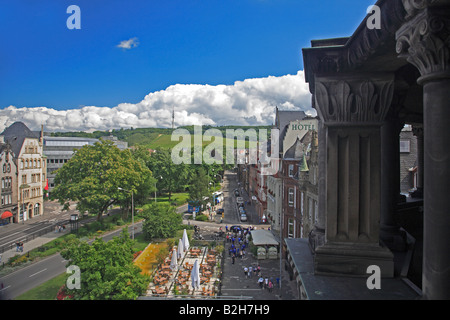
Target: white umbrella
(185, 240)
(195, 275)
(180, 249)
(173, 263)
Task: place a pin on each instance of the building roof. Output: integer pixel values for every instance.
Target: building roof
(16, 134)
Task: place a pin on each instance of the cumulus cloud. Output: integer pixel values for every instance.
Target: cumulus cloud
(248, 102)
(128, 44)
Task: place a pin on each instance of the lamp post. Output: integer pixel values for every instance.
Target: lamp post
(23, 187)
(160, 177)
(132, 210)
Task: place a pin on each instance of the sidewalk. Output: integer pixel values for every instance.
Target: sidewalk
(30, 245)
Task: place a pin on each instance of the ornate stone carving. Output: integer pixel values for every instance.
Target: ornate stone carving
(425, 41)
(413, 6)
(353, 100)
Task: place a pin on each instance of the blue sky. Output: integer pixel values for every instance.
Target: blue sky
(206, 42)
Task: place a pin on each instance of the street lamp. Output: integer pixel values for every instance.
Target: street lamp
(132, 210)
(160, 177)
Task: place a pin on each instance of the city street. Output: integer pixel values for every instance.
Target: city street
(235, 285)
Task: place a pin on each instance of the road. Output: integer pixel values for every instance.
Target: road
(28, 230)
(25, 279)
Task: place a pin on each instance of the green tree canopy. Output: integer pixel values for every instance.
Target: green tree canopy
(169, 176)
(199, 187)
(93, 176)
(106, 269)
(161, 221)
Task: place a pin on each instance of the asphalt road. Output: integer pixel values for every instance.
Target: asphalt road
(25, 279)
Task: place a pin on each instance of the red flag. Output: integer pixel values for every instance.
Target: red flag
(46, 186)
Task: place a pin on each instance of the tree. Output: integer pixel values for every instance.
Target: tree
(93, 176)
(199, 187)
(107, 271)
(161, 221)
(169, 176)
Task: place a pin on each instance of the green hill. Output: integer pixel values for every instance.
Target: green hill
(154, 138)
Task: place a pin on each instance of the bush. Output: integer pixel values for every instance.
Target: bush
(201, 217)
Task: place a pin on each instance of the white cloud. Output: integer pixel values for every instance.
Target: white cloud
(128, 44)
(248, 102)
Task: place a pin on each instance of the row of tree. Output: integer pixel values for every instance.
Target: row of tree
(101, 175)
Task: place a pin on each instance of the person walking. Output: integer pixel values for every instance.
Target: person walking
(250, 270)
(266, 283)
(246, 272)
(270, 286)
(232, 258)
(261, 282)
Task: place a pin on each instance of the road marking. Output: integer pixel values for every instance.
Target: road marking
(37, 272)
(9, 235)
(5, 288)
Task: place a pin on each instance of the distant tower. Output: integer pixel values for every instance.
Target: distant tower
(173, 117)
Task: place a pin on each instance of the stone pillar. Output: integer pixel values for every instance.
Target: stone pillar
(424, 41)
(353, 108)
(390, 232)
(317, 236)
(418, 132)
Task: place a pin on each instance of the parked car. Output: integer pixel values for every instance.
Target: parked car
(243, 217)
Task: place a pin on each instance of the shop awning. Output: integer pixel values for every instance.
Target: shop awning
(6, 214)
(263, 237)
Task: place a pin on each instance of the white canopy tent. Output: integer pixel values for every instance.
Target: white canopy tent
(263, 238)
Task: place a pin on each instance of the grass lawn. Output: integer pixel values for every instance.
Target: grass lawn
(46, 291)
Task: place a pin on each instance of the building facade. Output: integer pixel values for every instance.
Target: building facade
(8, 191)
(31, 170)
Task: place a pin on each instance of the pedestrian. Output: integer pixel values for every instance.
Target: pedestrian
(254, 271)
(250, 270)
(246, 272)
(232, 259)
(278, 282)
(270, 286)
(266, 283)
(228, 238)
(261, 282)
(226, 228)
(240, 254)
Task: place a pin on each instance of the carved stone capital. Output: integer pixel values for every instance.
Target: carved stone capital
(348, 100)
(425, 42)
(414, 6)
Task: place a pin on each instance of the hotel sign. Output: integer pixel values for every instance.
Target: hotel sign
(297, 130)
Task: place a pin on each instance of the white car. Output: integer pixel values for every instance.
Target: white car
(243, 217)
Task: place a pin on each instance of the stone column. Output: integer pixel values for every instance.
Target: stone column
(317, 236)
(418, 132)
(353, 108)
(390, 232)
(424, 42)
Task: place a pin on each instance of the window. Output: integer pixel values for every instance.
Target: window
(405, 146)
(291, 170)
(291, 197)
(291, 228)
(301, 202)
(316, 211)
(310, 209)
